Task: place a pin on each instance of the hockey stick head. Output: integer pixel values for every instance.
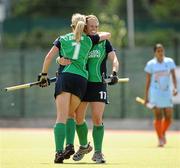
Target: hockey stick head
(142, 101)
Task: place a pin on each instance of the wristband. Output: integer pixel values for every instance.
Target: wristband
(43, 74)
(114, 73)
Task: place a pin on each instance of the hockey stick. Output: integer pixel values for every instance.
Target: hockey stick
(27, 85)
(108, 80)
(142, 101)
(120, 80)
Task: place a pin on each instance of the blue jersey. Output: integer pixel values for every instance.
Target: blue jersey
(160, 93)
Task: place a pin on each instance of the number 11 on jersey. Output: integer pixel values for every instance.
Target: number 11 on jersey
(102, 95)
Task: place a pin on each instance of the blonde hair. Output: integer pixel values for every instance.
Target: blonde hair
(89, 17)
(78, 23)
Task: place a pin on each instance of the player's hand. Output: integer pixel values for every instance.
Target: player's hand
(175, 92)
(63, 61)
(43, 79)
(114, 78)
(146, 100)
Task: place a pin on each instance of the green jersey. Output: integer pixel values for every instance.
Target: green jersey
(96, 62)
(76, 52)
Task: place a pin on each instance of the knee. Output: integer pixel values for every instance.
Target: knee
(168, 118)
(97, 121)
(61, 120)
(79, 120)
(71, 115)
(158, 117)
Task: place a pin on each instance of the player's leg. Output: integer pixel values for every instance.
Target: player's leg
(158, 117)
(82, 132)
(71, 127)
(98, 130)
(62, 100)
(166, 121)
(81, 125)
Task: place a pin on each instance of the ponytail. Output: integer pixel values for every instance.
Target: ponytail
(78, 24)
(79, 30)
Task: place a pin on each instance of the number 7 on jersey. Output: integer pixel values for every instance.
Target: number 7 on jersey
(76, 50)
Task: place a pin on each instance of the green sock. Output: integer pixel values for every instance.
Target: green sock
(98, 134)
(70, 131)
(82, 132)
(59, 134)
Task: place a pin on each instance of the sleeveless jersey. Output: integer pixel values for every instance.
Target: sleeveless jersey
(76, 52)
(96, 58)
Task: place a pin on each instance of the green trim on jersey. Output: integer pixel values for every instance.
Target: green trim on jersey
(95, 58)
(76, 52)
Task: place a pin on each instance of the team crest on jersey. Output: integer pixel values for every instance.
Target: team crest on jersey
(94, 54)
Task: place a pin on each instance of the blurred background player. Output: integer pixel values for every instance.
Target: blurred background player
(96, 94)
(158, 90)
(68, 91)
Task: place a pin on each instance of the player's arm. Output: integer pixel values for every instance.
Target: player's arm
(115, 63)
(63, 61)
(47, 61)
(112, 56)
(104, 36)
(100, 36)
(147, 85)
(115, 67)
(53, 51)
(43, 76)
(174, 80)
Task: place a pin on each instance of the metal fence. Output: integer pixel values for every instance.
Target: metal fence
(22, 66)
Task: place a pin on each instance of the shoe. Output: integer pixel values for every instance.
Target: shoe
(81, 152)
(161, 143)
(69, 150)
(164, 139)
(98, 157)
(59, 157)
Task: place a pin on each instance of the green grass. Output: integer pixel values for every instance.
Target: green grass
(34, 148)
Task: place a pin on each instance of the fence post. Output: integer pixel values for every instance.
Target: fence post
(176, 53)
(22, 78)
(122, 86)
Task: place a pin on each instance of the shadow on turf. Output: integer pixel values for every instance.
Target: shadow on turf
(81, 163)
